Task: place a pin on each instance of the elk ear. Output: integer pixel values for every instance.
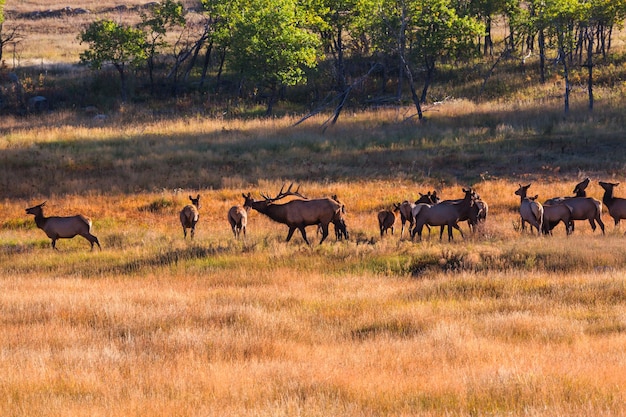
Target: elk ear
(198, 197)
(190, 198)
(43, 204)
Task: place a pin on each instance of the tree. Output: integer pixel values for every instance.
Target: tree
(161, 17)
(115, 44)
(270, 46)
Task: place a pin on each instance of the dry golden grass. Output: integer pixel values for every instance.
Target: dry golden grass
(153, 325)
(499, 323)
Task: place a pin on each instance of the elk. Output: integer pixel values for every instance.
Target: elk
(298, 213)
(443, 214)
(406, 208)
(386, 219)
(189, 216)
(531, 211)
(63, 227)
(553, 214)
(579, 189)
(583, 208)
(238, 219)
(477, 213)
(615, 205)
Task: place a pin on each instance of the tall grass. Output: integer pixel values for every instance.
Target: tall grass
(499, 323)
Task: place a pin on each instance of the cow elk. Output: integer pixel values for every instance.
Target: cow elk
(583, 208)
(443, 214)
(297, 213)
(615, 205)
(63, 227)
(531, 211)
(553, 214)
(189, 216)
(386, 220)
(238, 219)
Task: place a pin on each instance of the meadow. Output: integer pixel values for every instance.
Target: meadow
(499, 323)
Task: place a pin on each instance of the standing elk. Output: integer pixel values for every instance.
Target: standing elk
(406, 209)
(238, 219)
(583, 208)
(296, 214)
(531, 211)
(615, 205)
(443, 214)
(386, 220)
(189, 216)
(63, 227)
(553, 214)
(579, 189)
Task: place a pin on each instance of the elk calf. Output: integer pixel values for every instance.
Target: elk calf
(63, 227)
(238, 219)
(386, 219)
(189, 216)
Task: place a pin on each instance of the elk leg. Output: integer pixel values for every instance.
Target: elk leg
(303, 233)
(324, 231)
(456, 226)
(291, 230)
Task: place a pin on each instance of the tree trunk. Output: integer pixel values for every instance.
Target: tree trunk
(563, 58)
(589, 66)
(205, 64)
(120, 70)
(541, 42)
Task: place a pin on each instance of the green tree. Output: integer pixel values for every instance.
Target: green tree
(161, 17)
(270, 45)
(115, 44)
(427, 32)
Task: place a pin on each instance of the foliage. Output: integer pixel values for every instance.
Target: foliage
(113, 43)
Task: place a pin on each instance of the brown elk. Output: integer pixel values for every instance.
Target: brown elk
(531, 211)
(339, 221)
(583, 208)
(189, 216)
(298, 213)
(238, 219)
(63, 227)
(443, 214)
(478, 213)
(553, 214)
(386, 220)
(615, 205)
(579, 189)
(406, 209)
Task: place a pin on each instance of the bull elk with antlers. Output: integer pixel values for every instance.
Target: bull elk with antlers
(298, 213)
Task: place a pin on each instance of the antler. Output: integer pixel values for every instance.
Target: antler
(283, 194)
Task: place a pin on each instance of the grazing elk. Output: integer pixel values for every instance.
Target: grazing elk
(386, 220)
(615, 205)
(189, 216)
(238, 219)
(553, 214)
(296, 214)
(63, 227)
(339, 221)
(443, 214)
(531, 211)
